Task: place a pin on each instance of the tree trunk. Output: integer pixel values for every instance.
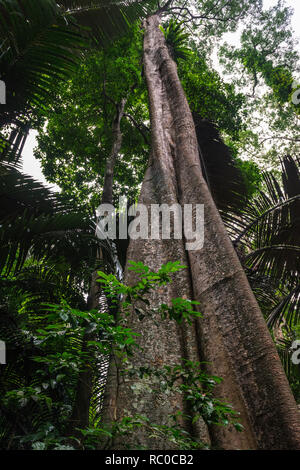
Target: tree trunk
(232, 335)
(107, 194)
(81, 407)
(163, 343)
(96, 299)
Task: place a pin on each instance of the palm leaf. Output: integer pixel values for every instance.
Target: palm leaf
(37, 48)
(34, 221)
(288, 309)
(267, 237)
(268, 229)
(107, 20)
(40, 41)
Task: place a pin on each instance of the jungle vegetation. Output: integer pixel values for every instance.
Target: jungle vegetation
(143, 344)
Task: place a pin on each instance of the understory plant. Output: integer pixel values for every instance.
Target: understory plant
(40, 404)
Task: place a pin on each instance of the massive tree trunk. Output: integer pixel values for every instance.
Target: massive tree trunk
(232, 335)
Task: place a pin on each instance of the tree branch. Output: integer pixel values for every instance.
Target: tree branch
(280, 137)
(139, 127)
(211, 15)
(166, 7)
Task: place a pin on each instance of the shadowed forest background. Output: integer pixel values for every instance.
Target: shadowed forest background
(112, 344)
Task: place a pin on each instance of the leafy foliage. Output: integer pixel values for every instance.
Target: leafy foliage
(77, 164)
(47, 251)
(176, 39)
(53, 336)
(266, 68)
(34, 221)
(266, 236)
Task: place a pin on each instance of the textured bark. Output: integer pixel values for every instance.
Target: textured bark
(233, 335)
(162, 342)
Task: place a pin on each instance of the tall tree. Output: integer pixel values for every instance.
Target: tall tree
(232, 336)
(215, 277)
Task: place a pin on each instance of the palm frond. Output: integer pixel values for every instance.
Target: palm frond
(280, 262)
(19, 192)
(268, 228)
(33, 221)
(107, 20)
(38, 46)
(288, 309)
(41, 42)
(266, 234)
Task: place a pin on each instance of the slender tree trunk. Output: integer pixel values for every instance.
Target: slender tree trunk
(96, 299)
(233, 335)
(107, 195)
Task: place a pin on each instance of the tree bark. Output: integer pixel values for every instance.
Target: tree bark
(162, 343)
(232, 336)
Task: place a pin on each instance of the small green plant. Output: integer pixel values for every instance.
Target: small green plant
(190, 379)
(176, 39)
(103, 437)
